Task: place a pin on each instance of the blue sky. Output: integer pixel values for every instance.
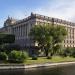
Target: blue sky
(19, 9)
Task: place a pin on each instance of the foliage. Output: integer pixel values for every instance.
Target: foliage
(3, 56)
(72, 53)
(6, 38)
(34, 57)
(48, 37)
(17, 56)
(69, 51)
(9, 47)
(49, 57)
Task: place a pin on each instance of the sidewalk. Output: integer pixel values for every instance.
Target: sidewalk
(49, 65)
(23, 66)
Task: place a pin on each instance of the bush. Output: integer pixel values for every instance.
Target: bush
(49, 57)
(73, 52)
(34, 57)
(66, 52)
(3, 56)
(9, 47)
(17, 56)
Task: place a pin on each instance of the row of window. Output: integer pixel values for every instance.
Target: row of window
(55, 20)
(69, 41)
(69, 45)
(20, 30)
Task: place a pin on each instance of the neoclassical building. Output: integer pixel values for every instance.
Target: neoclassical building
(21, 29)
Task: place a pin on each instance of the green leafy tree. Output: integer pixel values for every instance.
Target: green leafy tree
(48, 37)
(6, 38)
(58, 33)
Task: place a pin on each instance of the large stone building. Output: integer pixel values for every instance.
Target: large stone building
(21, 29)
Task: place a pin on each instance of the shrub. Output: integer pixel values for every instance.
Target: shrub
(9, 47)
(34, 57)
(73, 52)
(70, 51)
(49, 57)
(17, 56)
(3, 56)
(66, 52)
(24, 55)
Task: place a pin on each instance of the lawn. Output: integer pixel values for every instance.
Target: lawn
(55, 59)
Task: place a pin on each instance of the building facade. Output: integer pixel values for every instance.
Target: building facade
(21, 29)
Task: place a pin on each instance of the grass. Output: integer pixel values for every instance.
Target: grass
(55, 59)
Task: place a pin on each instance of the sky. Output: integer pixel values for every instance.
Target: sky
(19, 9)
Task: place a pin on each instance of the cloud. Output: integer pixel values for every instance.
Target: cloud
(63, 9)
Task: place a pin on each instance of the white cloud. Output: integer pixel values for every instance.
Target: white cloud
(63, 9)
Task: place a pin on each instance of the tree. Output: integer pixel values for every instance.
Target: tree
(48, 37)
(6, 38)
(58, 33)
